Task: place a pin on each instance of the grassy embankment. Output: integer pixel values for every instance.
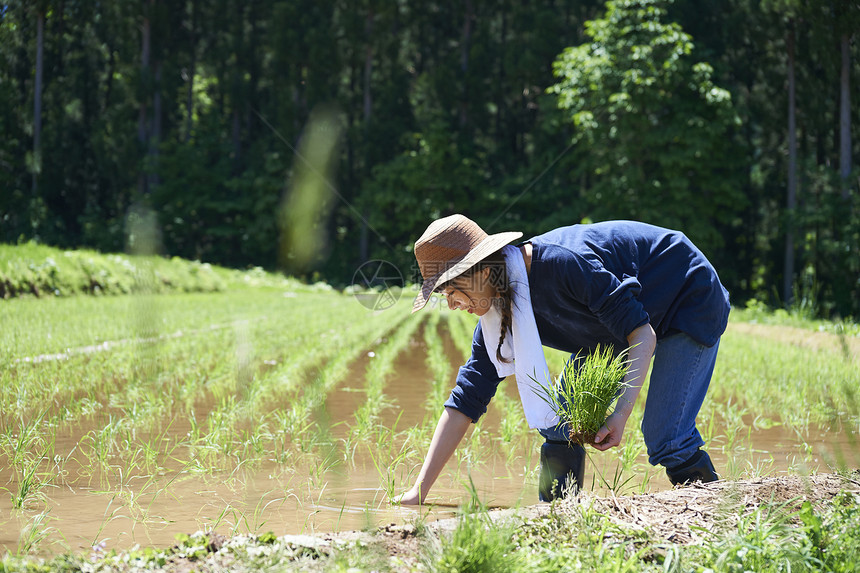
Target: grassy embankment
(129, 399)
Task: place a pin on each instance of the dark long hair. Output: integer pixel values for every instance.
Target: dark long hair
(504, 300)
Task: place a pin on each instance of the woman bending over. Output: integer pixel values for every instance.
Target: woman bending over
(621, 283)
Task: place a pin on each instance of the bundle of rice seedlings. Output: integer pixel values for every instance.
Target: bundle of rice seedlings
(585, 390)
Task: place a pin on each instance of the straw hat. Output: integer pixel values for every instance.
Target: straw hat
(449, 247)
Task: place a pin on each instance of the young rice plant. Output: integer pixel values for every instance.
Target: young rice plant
(585, 389)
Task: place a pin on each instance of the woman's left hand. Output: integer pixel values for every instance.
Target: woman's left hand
(609, 435)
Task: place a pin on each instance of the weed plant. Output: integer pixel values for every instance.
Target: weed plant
(476, 545)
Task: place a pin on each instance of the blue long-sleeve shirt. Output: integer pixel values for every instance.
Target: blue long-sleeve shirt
(595, 284)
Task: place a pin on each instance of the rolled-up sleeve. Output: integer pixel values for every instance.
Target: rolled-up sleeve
(613, 300)
(477, 381)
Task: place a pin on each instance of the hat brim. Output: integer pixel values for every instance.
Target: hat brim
(484, 249)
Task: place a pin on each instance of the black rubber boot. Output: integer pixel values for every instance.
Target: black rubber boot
(698, 468)
(562, 469)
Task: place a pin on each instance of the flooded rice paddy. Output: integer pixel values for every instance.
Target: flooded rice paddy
(278, 418)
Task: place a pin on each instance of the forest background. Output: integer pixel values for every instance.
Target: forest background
(728, 119)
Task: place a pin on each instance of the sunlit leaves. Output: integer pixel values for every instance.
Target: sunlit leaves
(654, 127)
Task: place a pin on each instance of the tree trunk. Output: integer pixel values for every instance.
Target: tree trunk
(189, 96)
(363, 243)
(109, 78)
(368, 68)
(845, 117)
(57, 60)
(788, 277)
(142, 131)
(238, 85)
(465, 43)
(253, 65)
(500, 86)
(37, 98)
(155, 136)
(236, 134)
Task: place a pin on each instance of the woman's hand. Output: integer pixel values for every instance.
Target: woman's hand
(449, 432)
(411, 497)
(641, 343)
(609, 435)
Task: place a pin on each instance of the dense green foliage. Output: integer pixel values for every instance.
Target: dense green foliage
(670, 112)
(654, 131)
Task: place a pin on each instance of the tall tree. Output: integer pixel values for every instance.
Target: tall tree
(847, 14)
(653, 130)
(143, 122)
(41, 9)
(791, 11)
(791, 190)
(192, 69)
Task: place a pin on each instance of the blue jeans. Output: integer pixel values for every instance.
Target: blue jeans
(680, 378)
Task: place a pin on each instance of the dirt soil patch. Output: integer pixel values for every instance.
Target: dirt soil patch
(675, 515)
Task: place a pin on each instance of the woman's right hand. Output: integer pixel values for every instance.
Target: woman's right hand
(411, 497)
(449, 432)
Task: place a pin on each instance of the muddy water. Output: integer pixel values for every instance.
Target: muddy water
(121, 509)
(290, 500)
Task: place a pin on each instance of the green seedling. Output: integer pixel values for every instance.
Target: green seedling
(587, 387)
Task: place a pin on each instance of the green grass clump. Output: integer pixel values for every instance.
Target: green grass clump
(37, 270)
(476, 545)
(587, 387)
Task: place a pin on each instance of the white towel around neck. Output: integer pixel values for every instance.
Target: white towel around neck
(522, 343)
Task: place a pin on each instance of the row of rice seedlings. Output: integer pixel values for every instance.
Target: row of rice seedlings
(266, 345)
(147, 375)
(315, 447)
(351, 327)
(384, 446)
(438, 364)
(231, 435)
(140, 432)
(250, 395)
(307, 402)
(76, 381)
(314, 395)
(818, 385)
(138, 454)
(479, 446)
(83, 324)
(96, 374)
(27, 447)
(379, 368)
(126, 446)
(513, 433)
(728, 428)
(461, 326)
(243, 446)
